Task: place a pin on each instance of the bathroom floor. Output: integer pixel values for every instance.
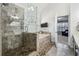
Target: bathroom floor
(63, 39)
(62, 49)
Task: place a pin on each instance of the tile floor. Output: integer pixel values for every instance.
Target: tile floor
(62, 49)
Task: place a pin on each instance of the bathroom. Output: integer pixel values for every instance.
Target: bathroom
(30, 29)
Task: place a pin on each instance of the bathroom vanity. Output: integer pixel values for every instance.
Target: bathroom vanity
(43, 42)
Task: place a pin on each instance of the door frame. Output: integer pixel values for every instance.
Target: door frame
(56, 35)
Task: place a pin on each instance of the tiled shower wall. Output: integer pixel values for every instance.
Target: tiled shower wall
(14, 41)
(30, 21)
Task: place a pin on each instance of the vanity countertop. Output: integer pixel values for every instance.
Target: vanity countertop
(42, 35)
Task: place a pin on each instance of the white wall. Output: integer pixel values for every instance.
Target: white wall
(74, 16)
(74, 19)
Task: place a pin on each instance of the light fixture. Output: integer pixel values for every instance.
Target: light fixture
(31, 8)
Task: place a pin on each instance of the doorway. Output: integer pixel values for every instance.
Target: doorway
(62, 29)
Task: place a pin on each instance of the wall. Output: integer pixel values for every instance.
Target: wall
(74, 16)
(0, 33)
(74, 19)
